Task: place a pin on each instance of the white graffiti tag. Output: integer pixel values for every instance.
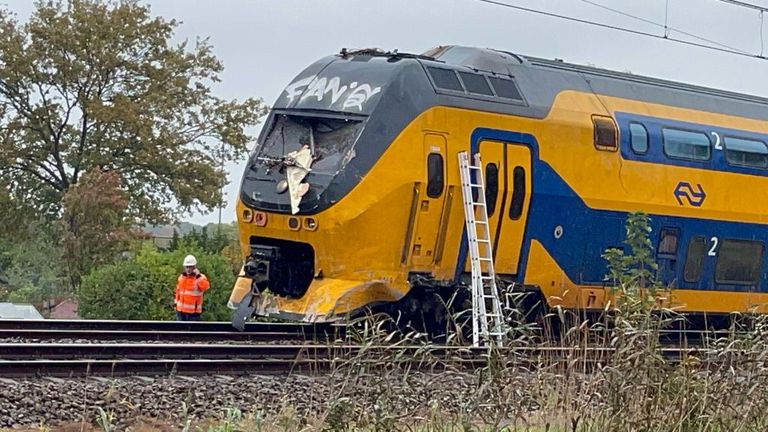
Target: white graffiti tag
(359, 95)
(297, 87)
(354, 94)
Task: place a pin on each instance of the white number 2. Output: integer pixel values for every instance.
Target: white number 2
(718, 142)
(713, 251)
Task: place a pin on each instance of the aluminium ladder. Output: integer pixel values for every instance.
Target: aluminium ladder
(488, 325)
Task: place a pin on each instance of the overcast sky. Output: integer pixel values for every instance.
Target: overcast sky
(265, 43)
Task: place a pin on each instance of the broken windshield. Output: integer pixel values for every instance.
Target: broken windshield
(330, 141)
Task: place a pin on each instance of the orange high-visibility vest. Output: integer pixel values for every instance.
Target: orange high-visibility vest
(189, 292)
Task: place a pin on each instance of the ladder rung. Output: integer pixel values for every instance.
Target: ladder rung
(485, 259)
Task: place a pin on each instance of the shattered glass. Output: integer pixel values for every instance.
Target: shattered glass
(333, 140)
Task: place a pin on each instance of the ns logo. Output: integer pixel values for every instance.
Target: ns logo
(686, 193)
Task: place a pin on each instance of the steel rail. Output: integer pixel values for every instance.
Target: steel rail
(50, 351)
(154, 335)
(57, 359)
(178, 326)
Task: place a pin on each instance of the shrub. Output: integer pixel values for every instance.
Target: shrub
(143, 286)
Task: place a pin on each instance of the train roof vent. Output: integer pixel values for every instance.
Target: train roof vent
(476, 83)
(506, 88)
(445, 79)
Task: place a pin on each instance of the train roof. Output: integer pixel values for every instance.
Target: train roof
(541, 79)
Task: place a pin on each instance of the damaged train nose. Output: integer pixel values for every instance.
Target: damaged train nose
(284, 267)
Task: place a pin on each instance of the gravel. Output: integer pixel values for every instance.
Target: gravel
(55, 401)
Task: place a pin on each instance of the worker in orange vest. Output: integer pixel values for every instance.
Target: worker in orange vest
(189, 291)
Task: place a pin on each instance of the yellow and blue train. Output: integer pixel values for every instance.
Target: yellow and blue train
(352, 200)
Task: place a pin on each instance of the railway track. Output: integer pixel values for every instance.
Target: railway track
(109, 359)
(122, 348)
(166, 331)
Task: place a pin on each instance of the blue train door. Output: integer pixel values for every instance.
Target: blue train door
(519, 188)
(493, 159)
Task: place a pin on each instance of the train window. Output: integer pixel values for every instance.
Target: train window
(668, 241)
(505, 88)
(333, 140)
(475, 83)
(739, 262)
(491, 187)
(445, 79)
(605, 133)
(683, 144)
(746, 152)
(697, 250)
(638, 138)
(435, 177)
(518, 193)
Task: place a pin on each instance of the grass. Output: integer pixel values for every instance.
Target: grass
(628, 387)
(632, 389)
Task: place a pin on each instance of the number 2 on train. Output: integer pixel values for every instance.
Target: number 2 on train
(713, 250)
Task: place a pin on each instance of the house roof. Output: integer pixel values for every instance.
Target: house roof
(67, 309)
(19, 311)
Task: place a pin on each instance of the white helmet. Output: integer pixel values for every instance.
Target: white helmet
(190, 261)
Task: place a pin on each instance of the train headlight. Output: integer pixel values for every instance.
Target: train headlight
(247, 215)
(260, 219)
(294, 224)
(310, 224)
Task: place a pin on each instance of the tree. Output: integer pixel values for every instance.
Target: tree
(89, 85)
(634, 273)
(31, 267)
(174, 240)
(95, 225)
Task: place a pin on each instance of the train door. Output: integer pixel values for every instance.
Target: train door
(429, 205)
(667, 255)
(506, 170)
(492, 157)
(514, 216)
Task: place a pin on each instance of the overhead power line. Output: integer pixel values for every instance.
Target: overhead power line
(625, 30)
(663, 26)
(746, 5)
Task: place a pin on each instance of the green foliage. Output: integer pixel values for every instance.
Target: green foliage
(175, 241)
(215, 239)
(630, 272)
(211, 238)
(143, 286)
(117, 291)
(230, 423)
(98, 85)
(95, 225)
(31, 265)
